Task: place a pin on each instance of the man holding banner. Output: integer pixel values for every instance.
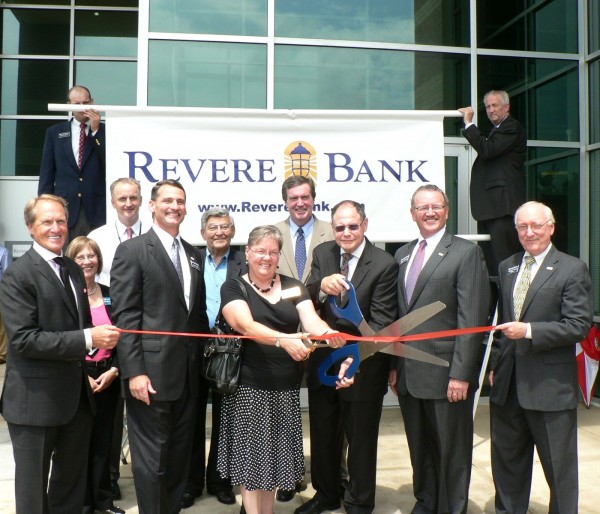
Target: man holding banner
(157, 284)
(436, 401)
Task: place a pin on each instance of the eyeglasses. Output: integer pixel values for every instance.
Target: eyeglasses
(535, 227)
(426, 208)
(262, 253)
(352, 227)
(223, 226)
(89, 257)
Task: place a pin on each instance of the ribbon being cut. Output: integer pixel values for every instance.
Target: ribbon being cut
(388, 340)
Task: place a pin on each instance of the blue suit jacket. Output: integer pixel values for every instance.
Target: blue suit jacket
(60, 175)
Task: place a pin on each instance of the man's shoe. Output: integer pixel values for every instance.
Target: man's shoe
(315, 507)
(285, 496)
(225, 496)
(115, 490)
(188, 498)
(111, 510)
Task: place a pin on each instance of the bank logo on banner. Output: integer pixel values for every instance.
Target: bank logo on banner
(300, 159)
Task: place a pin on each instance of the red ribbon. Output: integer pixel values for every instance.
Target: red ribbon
(349, 337)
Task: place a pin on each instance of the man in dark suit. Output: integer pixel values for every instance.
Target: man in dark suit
(354, 412)
(47, 400)
(157, 284)
(298, 193)
(221, 262)
(437, 402)
(498, 176)
(74, 165)
(546, 308)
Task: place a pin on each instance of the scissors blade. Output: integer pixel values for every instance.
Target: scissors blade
(413, 319)
(409, 352)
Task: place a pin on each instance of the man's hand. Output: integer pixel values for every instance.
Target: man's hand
(141, 388)
(467, 113)
(94, 117)
(105, 336)
(393, 381)
(513, 329)
(457, 390)
(342, 380)
(334, 284)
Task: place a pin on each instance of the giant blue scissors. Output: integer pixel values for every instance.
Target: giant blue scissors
(363, 350)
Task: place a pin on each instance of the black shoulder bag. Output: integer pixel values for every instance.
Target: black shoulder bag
(222, 360)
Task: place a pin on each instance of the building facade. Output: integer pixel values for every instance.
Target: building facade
(310, 54)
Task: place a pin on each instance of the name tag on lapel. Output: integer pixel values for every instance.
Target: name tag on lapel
(62, 135)
(194, 264)
(514, 269)
(292, 292)
(404, 259)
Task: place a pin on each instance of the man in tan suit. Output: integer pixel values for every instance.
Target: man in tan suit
(299, 194)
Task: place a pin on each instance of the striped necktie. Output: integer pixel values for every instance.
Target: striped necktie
(522, 287)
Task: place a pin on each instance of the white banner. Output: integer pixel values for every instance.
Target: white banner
(239, 159)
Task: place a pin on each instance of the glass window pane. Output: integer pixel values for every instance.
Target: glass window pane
(594, 25)
(28, 85)
(348, 78)
(21, 144)
(207, 74)
(544, 94)
(106, 33)
(553, 179)
(238, 17)
(595, 102)
(34, 31)
(436, 22)
(121, 89)
(108, 3)
(594, 200)
(549, 26)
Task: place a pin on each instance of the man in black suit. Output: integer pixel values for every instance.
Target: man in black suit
(157, 284)
(546, 308)
(437, 402)
(221, 262)
(355, 411)
(47, 401)
(74, 165)
(498, 176)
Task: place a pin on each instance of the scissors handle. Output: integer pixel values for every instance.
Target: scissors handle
(350, 350)
(352, 311)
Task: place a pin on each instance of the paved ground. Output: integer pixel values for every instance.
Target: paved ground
(394, 490)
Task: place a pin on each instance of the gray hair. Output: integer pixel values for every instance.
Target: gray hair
(427, 187)
(265, 232)
(502, 94)
(549, 215)
(216, 212)
(125, 180)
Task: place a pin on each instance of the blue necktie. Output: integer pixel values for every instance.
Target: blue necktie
(300, 252)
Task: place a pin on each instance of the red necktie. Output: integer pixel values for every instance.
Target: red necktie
(81, 145)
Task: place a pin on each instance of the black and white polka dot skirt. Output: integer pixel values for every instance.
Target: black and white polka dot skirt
(260, 440)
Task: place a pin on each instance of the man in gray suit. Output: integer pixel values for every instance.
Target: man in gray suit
(47, 400)
(299, 194)
(157, 284)
(546, 308)
(220, 263)
(437, 402)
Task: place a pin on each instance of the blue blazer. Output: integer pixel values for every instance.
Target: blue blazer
(60, 175)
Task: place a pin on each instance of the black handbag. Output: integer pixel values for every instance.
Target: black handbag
(222, 360)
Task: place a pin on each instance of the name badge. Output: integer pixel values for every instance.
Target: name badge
(292, 292)
(514, 269)
(194, 264)
(404, 259)
(62, 135)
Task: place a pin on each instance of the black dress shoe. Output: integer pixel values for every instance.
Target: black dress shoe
(225, 496)
(111, 510)
(315, 507)
(285, 496)
(188, 498)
